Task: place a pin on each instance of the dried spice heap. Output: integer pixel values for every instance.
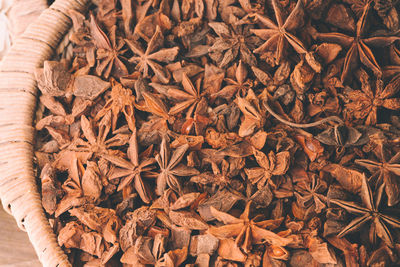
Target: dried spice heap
(224, 133)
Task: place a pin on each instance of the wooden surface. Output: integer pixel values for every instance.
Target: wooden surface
(15, 248)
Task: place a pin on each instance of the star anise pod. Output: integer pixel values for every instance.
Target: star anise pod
(358, 50)
(82, 185)
(343, 136)
(310, 195)
(50, 191)
(350, 250)
(132, 170)
(81, 31)
(273, 164)
(174, 257)
(98, 144)
(199, 120)
(121, 101)
(153, 130)
(150, 57)
(190, 99)
(59, 116)
(364, 104)
(253, 115)
(340, 16)
(109, 51)
(231, 43)
(384, 171)
(239, 86)
(146, 24)
(54, 79)
(72, 185)
(229, 254)
(369, 212)
(170, 167)
(274, 255)
(247, 232)
(278, 35)
(220, 176)
(249, 192)
(146, 250)
(97, 237)
(322, 103)
(106, 13)
(155, 105)
(188, 17)
(383, 255)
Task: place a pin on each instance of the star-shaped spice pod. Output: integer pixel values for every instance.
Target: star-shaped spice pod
(191, 100)
(98, 144)
(253, 114)
(277, 35)
(82, 185)
(61, 116)
(131, 170)
(109, 51)
(273, 164)
(220, 177)
(121, 101)
(155, 105)
(369, 212)
(342, 136)
(358, 50)
(384, 171)
(246, 231)
(240, 86)
(365, 103)
(148, 58)
(231, 42)
(170, 167)
(311, 195)
(187, 99)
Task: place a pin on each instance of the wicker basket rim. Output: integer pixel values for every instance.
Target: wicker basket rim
(18, 189)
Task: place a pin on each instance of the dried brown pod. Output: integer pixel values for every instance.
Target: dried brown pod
(364, 104)
(170, 167)
(150, 57)
(359, 50)
(278, 35)
(131, 171)
(233, 42)
(246, 231)
(121, 101)
(273, 164)
(49, 189)
(384, 171)
(110, 59)
(371, 203)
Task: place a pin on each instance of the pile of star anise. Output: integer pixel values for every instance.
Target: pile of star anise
(224, 133)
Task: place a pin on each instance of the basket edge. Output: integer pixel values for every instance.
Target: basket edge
(18, 189)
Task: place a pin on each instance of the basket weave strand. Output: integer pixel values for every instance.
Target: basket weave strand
(18, 188)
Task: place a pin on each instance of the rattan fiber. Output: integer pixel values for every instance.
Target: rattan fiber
(18, 189)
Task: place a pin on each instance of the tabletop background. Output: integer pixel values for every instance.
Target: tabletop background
(15, 248)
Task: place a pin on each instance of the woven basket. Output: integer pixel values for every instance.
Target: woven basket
(18, 97)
